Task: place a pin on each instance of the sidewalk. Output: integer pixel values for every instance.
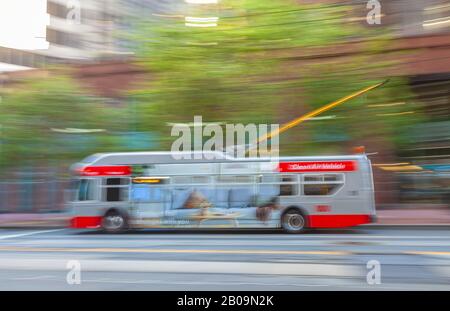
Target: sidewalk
(414, 215)
(33, 220)
(402, 215)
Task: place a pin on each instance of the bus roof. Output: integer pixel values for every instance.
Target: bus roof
(167, 157)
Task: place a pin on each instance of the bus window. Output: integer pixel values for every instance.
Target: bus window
(288, 185)
(189, 180)
(274, 185)
(86, 190)
(179, 196)
(146, 193)
(222, 197)
(235, 179)
(322, 184)
(200, 179)
(193, 197)
(235, 191)
(181, 180)
(116, 189)
(240, 197)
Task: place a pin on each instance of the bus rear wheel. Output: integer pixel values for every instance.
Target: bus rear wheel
(114, 222)
(293, 221)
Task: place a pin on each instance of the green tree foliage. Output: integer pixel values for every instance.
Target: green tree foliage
(262, 64)
(35, 116)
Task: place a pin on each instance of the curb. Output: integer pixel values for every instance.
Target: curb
(368, 226)
(403, 226)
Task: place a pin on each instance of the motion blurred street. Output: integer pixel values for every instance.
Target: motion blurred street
(337, 78)
(410, 258)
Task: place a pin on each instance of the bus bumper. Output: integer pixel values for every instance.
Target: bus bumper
(338, 221)
(86, 222)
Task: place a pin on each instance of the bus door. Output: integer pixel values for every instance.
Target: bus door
(149, 197)
(85, 196)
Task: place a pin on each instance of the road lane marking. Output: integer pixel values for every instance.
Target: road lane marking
(168, 282)
(208, 267)
(433, 253)
(236, 244)
(12, 236)
(213, 251)
(174, 235)
(31, 278)
(234, 284)
(193, 251)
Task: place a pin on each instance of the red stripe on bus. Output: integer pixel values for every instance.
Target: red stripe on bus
(318, 166)
(113, 170)
(337, 221)
(85, 222)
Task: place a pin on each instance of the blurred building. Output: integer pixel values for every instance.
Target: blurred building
(84, 29)
(422, 29)
(97, 29)
(91, 37)
(87, 31)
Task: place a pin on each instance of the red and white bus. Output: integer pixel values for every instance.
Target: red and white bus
(118, 191)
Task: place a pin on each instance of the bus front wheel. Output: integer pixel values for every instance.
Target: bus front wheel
(293, 221)
(114, 222)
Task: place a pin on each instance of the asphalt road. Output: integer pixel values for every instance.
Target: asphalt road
(410, 259)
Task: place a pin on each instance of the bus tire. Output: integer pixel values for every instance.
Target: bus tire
(114, 222)
(293, 221)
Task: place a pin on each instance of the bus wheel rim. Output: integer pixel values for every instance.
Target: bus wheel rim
(114, 222)
(295, 222)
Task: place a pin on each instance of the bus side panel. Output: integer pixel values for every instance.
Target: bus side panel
(351, 205)
(86, 215)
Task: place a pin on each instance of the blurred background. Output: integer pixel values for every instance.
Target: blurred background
(84, 76)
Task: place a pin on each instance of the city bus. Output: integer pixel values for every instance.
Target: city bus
(119, 191)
